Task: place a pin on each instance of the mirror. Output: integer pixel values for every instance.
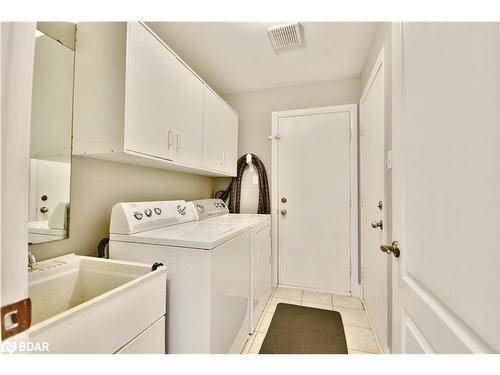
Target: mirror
(51, 132)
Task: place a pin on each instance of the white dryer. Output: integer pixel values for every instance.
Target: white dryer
(259, 225)
(207, 271)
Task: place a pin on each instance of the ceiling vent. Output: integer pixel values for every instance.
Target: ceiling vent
(285, 36)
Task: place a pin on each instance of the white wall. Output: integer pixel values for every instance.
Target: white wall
(97, 185)
(254, 109)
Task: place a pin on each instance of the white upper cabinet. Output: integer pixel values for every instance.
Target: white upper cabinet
(149, 95)
(220, 135)
(137, 102)
(188, 116)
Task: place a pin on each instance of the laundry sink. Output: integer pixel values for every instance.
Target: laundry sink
(91, 305)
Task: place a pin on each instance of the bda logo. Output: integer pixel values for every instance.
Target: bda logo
(8, 347)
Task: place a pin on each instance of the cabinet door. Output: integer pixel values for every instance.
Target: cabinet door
(150, 95)
(220, 134)
(188, 116)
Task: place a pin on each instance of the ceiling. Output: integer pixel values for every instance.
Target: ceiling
(235, 57)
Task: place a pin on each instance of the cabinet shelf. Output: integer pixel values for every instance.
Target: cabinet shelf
(143, 160)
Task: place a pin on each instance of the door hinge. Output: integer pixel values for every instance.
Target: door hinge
(15, 318)
(274, 137)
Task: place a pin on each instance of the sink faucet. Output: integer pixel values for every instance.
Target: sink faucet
(32, 263)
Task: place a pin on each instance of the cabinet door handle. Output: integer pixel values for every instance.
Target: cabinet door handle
(170, 139)
(178, 143)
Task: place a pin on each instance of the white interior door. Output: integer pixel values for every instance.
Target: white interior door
(374, 264)
(53, 184)
(314, 189)
(446, 188)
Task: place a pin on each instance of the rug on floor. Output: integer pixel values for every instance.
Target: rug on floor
(304, 330)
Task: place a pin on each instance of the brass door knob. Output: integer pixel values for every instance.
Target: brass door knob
(284, 212)
(392, 248)
(44, 210)
(378, 224)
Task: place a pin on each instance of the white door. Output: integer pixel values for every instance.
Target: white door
(150, 95)
(374, 264)
(52, 186)
(16, 55)
(446, 189)
(314, 182)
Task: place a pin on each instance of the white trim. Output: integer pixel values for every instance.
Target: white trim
(382, 349)
(378, 63)
(1, 170)
(397, 178)
(498, 26)
(17, 56)
(377, 67)
(353, 148)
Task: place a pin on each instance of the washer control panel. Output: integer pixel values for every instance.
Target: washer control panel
(205, 208)
(134, 217)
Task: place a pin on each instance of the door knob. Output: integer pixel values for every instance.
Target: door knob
(378, 224)
(284, 212)
(393, 248)
(44, 210)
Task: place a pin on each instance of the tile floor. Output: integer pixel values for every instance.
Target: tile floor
(359, 336)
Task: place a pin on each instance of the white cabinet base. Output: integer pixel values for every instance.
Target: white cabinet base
(151, 341)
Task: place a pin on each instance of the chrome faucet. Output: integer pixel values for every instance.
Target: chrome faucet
(32, 263)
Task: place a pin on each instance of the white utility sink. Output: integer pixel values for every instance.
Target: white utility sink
(91, 305)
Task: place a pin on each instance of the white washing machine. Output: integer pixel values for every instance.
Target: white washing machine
(259, 225)
(207, 271)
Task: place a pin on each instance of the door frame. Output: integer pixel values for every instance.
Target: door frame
(352, 109)
(397, 178)
(16, 56)
(378, 66)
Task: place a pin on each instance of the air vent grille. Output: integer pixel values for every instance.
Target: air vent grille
(285, 35)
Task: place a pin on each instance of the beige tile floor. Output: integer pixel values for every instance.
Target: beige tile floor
(359, 336)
